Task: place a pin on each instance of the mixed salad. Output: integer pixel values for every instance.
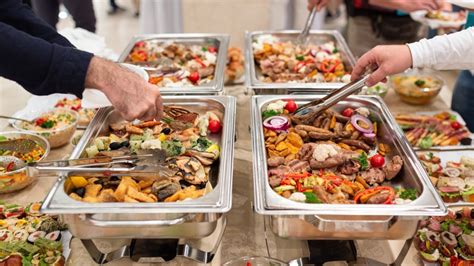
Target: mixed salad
(332, 157)
(173, 64)
(283, 61)
(85, 115)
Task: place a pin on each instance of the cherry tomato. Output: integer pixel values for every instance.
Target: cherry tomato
(212, 49)
(456, 125)
(291, 106)
(348, 112)
(10, 166)
(140, 44)
(214, 126)
(377, 161)
(194, 77)
(40, 121)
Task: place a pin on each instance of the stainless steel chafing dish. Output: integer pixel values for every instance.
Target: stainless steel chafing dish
(186, 219)
(219, 40)
(315, 36)
(289, 219)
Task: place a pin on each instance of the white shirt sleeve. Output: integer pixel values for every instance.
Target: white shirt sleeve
(453, 51)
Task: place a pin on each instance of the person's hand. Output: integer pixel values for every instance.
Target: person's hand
(414, 5)
(319, 4)
(386, 60)
(132, 96)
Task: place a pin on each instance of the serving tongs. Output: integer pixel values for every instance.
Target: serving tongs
(308, 111)
(301, 39)
(147, 166)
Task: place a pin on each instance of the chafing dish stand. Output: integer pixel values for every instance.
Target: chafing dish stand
(158, 250)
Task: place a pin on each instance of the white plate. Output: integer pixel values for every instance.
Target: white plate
(462, 3)
(437, 23)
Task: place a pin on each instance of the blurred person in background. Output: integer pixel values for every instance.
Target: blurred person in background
(43, 62)
(374, 22)
(82, 11)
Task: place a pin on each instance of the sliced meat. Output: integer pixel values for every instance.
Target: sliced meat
(328, 163)
(356, 143)
(350, 167)
(434, 225)
(373, 175)
(322, 194)
(392, 168)
(205, 72)
(306, 151)
(275, 161)
(299, 166)
(455, 229)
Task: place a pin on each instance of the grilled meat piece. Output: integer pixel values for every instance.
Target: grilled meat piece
(275, 161)
(279, 171)
(299, 166)
(356, 143)
(350, 167)
(322, 194)
(306, 151)
(206, 72)
(321, 136)
(274, 181)
(373, 175)
(379, 198)
(392, 168)
(328, 163)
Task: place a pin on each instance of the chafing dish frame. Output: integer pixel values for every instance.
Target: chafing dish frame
(252, 77)
(186, 219)
(215, 86)
(289, 219)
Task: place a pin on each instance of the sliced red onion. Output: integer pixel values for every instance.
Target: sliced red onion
(369, 135)
(356, 118)
(180, 74)
(313, 52)
(276, 123)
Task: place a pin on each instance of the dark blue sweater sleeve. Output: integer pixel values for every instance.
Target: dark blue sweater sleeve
(21, 17)
(37, 59)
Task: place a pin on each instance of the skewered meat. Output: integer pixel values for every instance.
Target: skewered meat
(392, 168)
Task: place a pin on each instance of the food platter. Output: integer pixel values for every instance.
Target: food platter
(189, 218)
(442, 167)
(369, 221)
(439, 19)
(253, 79)
(213, 85)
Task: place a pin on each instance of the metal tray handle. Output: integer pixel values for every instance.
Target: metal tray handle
(346, 224)
(105, 223)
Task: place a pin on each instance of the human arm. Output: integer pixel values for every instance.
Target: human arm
(453, 51)
(21, 17)
(319, 4)
(408, 6)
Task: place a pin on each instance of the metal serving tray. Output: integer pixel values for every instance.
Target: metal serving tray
(315, 36)
(344, 221)
(221, 41)
(191, 219)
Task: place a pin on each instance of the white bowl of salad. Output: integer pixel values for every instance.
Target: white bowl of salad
(57, 126)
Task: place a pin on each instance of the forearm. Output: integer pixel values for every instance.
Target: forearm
(388, 4)
(453, 51)
(39, 66)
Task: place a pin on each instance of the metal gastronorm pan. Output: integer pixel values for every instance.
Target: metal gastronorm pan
(190, 219)
(315, 36)
(219, 40)
(347, 221)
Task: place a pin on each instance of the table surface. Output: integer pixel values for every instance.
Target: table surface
(245, 232)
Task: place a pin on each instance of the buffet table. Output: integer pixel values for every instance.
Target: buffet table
(245, 234)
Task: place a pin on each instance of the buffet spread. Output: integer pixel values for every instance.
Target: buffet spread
(353, 171)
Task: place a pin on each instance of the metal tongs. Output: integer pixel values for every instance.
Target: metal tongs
(304, 33)
(149, 166)
(313, 108)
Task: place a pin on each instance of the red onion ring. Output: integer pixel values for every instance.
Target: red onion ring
(276, 123)
(369, 135)
(356, 118)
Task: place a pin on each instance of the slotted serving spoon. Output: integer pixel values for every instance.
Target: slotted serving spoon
(15, 118)
(22, 145)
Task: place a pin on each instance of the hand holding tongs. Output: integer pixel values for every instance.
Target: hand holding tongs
(309, 21)
(315, 107)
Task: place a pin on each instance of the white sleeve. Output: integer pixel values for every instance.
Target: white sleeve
(453, 51)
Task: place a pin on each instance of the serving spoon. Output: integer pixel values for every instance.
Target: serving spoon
(15, 118)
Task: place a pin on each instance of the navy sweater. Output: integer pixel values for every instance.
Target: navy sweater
(33, 54)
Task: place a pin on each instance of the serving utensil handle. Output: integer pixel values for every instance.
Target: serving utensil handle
(107, 223)
(309, 21)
